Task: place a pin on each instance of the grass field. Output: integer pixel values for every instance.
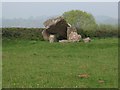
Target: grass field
(0, 63)
(38, 64)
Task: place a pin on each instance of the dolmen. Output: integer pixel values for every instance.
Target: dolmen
(58, 30)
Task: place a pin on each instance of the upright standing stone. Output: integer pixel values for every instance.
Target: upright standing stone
(69, 30)
(45, 35)
(52, 38)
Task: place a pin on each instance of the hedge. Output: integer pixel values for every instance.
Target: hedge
(22, 33)
(36, 33)
(99, 33)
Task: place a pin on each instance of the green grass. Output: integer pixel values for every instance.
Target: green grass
(38, 64)
(0, 63)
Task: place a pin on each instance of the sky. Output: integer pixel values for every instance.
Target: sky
(28, 9)
(60, 0)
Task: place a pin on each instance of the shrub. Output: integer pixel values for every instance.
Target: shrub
(107, 31)
(102, 31)
(81, 20)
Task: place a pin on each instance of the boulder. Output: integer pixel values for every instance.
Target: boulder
(74, 37)
(86, 40)
(64, 41)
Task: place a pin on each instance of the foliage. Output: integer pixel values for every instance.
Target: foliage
(22, 33)
(86, 25)
(107, 31)
(81, 20)
(102, 31)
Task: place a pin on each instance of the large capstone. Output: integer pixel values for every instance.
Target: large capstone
(56, 26)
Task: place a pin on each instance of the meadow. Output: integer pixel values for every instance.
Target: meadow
(37, 64)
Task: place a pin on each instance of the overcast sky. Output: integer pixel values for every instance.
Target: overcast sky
(28, 9)
(60, 0)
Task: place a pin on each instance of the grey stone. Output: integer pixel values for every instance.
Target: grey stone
(57, 26)
(52, 38)
(69, 30)
(86, 40)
